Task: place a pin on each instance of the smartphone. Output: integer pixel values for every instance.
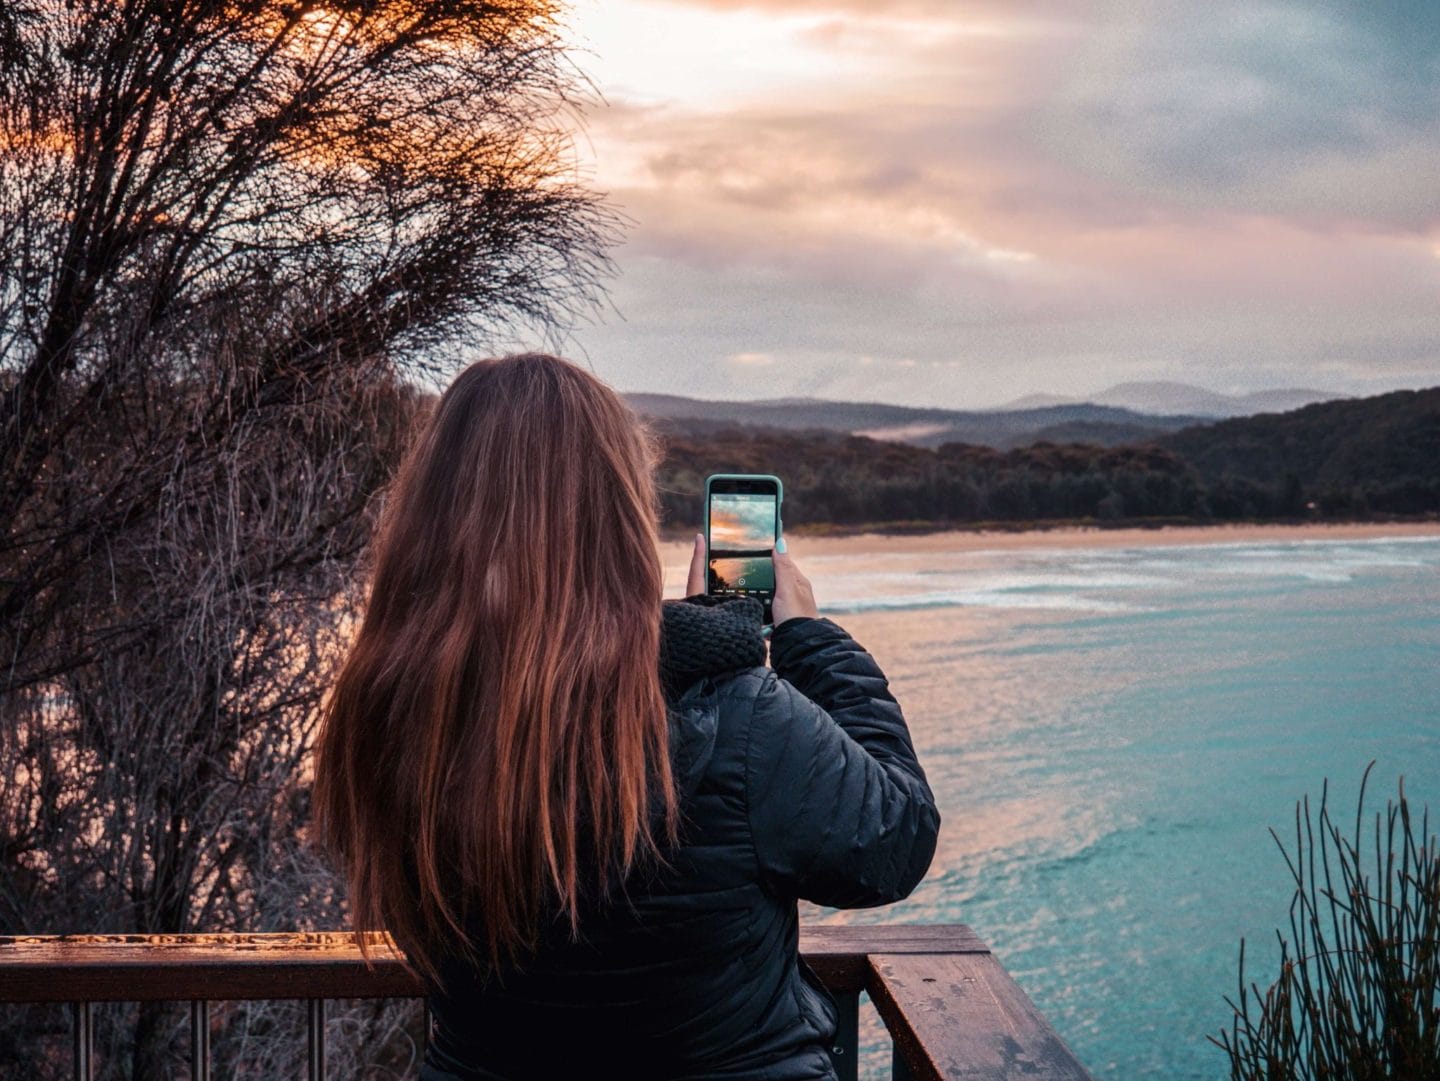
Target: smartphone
(742, 524)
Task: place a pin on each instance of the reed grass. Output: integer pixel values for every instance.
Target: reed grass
(1358, 995)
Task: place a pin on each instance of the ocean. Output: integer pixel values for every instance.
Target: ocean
(1110, 733)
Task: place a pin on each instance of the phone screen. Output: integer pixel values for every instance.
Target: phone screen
(743, 527)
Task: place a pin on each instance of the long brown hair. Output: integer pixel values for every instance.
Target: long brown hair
(495, 747)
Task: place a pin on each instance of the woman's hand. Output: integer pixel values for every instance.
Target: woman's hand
(793, 595)
(695, 580)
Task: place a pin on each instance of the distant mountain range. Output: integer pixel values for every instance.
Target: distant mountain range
(1101, 425)
(1165, 399)
(1126, 413)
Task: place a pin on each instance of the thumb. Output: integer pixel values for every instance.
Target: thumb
(695, 580)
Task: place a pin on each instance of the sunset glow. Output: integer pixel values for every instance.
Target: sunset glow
(741, 523)
(1014, 197)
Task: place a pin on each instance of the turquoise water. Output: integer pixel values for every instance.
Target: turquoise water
(1111, 731)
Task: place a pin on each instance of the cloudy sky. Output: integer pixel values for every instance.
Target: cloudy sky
(958, 203)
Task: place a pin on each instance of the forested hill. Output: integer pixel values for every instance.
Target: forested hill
(1387, 439)
(1354, 458)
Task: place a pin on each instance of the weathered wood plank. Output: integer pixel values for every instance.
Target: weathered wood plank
(141, 968)
(862, 938)
(838, 952)
(960, 1016)
(328, 964)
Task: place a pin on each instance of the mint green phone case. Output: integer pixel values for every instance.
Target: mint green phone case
(779, 500)
(779, 518)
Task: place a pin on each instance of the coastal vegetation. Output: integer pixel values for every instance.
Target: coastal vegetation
(1353, 459)
(1358, 994)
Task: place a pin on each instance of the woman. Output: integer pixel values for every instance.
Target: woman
(593, 859)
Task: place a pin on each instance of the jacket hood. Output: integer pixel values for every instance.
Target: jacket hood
(701, 639)
(693, 723)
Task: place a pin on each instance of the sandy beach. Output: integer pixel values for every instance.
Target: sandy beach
(675, 554)
(1085, 537)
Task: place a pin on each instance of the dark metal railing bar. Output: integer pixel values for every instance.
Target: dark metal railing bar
(845, 1053)
(200, 1040)
(317, 1039)
(899, 1068)
(84, 1020)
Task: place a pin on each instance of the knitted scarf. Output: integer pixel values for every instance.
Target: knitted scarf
(707, 636)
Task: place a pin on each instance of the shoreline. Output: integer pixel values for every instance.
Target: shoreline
(1077, 536)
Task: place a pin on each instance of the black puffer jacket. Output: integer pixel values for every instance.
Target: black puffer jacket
(799, 782)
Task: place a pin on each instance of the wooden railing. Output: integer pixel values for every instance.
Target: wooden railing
(952, 1011)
